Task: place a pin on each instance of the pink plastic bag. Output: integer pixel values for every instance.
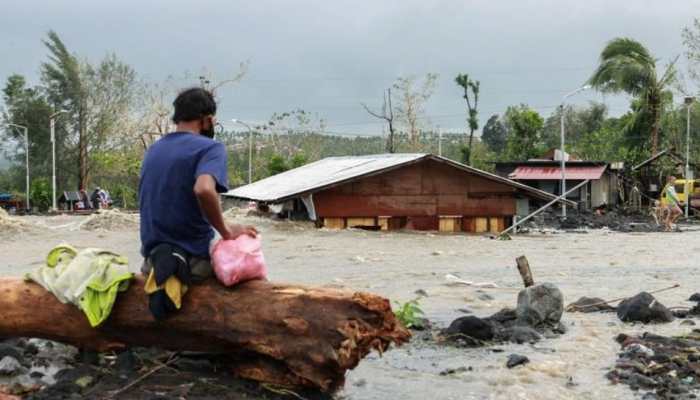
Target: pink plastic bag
(238, 260)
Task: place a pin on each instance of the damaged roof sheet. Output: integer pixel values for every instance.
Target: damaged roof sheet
(332, 171)
(554, 173)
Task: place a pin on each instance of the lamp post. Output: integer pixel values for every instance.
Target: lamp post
(250, 148)
(52, 125)
(563, 151)
(688, 101)
(26, 157)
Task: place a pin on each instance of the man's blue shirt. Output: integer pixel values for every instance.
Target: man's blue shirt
(170, 211)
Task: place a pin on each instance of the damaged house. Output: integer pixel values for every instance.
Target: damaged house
(544, 173)
(395, 191)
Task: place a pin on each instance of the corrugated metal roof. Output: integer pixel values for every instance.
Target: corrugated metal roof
(332, 171)
(554, 173)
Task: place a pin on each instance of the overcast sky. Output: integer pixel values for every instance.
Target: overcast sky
(329, 56)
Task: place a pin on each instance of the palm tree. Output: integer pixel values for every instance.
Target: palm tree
(627, 66)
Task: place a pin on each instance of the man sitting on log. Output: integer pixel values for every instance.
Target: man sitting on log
(181, 178)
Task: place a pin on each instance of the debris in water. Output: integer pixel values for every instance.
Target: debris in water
(666, 367)
(589, 305)
(516, 359)
(110, 220)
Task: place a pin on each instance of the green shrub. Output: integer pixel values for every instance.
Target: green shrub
(40, 194)
(409, 314)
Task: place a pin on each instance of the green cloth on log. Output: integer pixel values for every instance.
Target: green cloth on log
(90, 279)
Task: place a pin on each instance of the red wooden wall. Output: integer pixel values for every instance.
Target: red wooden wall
(425, 189)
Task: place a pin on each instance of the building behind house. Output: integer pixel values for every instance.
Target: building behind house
(544, 173)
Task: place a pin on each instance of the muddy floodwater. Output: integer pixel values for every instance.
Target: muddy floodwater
(596, 264)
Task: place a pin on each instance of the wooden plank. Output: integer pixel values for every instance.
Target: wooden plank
(334, 223)
(495, 224)
(421, 223)
(360, 221)
(524, 270)
(469, 224)
(383, 223)
(447, 224)
(481, 225)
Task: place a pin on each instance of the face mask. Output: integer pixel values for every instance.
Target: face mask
(209, 132)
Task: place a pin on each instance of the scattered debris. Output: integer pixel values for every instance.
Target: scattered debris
(10, 226)
(455, 280)
(516, 359)
(9, 366)
(110, 220)
(452, 371)
(665, 367)
(643, 308)
(616, 219)
(589, 305)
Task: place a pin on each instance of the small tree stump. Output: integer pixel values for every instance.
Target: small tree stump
(524, 270)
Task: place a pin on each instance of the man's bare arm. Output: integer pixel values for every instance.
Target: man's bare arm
(205, 191)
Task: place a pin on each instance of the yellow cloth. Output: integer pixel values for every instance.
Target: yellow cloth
(89, 278)
(173, 288)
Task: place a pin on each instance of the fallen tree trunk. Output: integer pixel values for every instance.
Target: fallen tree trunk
(282, 334)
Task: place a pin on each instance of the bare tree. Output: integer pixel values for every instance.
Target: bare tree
(387, 114)
(411, 105)
(473, 120)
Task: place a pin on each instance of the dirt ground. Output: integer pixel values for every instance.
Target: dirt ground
(598, 263)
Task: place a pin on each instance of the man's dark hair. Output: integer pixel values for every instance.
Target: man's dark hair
(193, 104)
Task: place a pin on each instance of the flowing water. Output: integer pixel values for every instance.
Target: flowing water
(396, 265)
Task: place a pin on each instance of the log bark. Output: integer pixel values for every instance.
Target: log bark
(282, 334)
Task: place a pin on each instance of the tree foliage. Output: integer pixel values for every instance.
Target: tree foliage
(470, 85)
(627, 66)
(494, 134)
(524, 126)
(412, 95)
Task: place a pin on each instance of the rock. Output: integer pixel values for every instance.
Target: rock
(689, 322)
(589, 304)
(10, 366)
(195, 365)
(471, 326)
(125, 362)
(505, 317)
(89, 357)
(36, 374)
(680, 313)
(521, 334)
(516, 359)
(421, 292)
(464, 310)
(643, 308)
(695, 297)
(11, 351)
(485, 297)
(452, 371)
(61, 390)
(540, 305)
(637, 349)
(84, 381)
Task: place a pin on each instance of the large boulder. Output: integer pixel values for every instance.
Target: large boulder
(540, 305)
(643, 308)
(471, 326)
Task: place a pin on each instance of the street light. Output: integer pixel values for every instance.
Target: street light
(563, 152)
(52, 125)
(26, 157)
(250, 148)
(688, 101)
